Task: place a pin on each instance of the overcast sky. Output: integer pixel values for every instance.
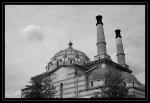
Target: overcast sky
(34, 33)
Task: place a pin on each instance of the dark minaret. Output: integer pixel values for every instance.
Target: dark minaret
(120, 50)
(101, 44)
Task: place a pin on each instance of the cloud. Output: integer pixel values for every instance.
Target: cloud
(135, 58)
(33, 33)
(16, 94)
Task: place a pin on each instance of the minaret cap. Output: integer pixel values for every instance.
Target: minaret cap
(118, 33)
(99, 19)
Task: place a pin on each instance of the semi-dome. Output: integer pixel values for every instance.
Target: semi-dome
(129, 78)
(69, 56)
(98, 74)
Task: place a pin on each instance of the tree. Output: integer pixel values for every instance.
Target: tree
(48, 90)
(114, 87)
(40, 88)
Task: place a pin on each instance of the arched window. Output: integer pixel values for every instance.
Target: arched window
(133, 84)
(91, 83)
(124, 84)
(57, 63)
(47, 68)
(70, 61)
(61, 90)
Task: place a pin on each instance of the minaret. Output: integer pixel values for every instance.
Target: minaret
(101, 44)
(120, 50)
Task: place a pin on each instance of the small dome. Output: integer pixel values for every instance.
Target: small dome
(129, 77)
(98, 73)
(69, 56)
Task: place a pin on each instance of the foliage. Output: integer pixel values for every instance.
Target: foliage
(48, 89)
(40, 88)
(114, 87)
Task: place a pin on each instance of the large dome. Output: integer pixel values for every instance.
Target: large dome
(68, 56)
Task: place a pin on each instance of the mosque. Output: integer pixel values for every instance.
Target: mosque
(75, 76)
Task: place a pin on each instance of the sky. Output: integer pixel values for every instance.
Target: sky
(35, 33)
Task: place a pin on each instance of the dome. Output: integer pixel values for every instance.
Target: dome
(129, 77)
(98, 73)
(69, 56)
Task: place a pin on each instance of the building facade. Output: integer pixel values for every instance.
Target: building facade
(75, 76)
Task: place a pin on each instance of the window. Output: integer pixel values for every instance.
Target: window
(46, 67)
(70, 61)
(91, 83)
(50, 63)
(57, 63)
(61, 90)
(99, 58)
(133, 84)
(124, 84)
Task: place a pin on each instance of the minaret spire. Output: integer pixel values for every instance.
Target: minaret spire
(120, 50)
(101, 44)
